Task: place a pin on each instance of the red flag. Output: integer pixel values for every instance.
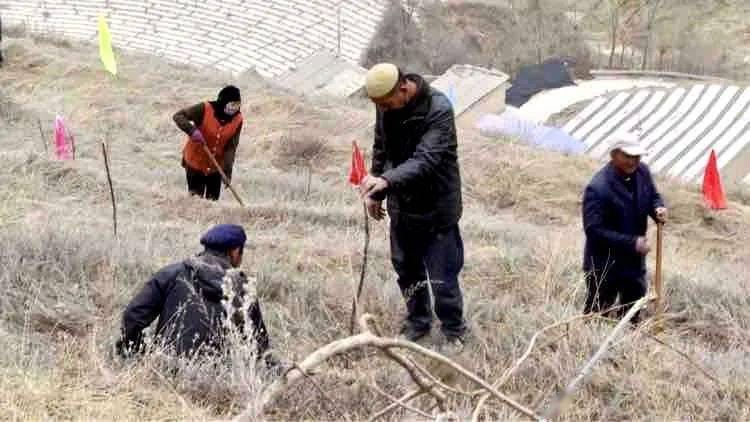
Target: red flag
(358, 171)
(713, 194)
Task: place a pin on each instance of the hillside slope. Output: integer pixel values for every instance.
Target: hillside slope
(66, 280)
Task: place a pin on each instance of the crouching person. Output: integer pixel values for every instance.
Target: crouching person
(198, 301)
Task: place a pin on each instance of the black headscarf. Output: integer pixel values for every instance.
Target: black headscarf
(227, 94)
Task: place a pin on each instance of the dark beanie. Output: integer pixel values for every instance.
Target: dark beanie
(228, 94)
(223, 237)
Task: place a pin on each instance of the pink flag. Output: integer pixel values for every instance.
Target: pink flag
(61, 145)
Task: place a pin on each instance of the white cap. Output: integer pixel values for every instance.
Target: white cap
(627, 142)
(381, 80)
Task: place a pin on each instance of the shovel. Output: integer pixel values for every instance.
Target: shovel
(657, 275)
(221, 172)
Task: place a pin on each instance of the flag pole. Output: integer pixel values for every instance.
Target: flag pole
(356, 176)
(363, 271)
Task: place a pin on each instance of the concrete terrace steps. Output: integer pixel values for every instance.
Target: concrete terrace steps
(234, 35)
(679, 126)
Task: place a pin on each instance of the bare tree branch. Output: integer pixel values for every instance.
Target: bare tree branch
(398, 402)
(44, 139)
(368, 339)
(111, 188)
(417, 375)
(508, 372)
(323, 393)
(363, 271)
(367, 323)
(579, 379)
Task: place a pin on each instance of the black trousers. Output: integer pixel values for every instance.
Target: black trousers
(602, 293)
(205, 186)
(422, 256)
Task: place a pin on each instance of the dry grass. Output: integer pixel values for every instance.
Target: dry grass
(65, 281)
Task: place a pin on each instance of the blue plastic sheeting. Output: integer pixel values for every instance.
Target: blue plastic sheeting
(452, 96)
(533, 79)
(546, 137)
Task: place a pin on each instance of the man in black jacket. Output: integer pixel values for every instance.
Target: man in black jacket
(197, 301)
(415, 165)
(616, 205)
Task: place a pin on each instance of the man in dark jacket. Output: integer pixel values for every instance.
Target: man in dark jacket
(197, 301)
(616, 205)
(415, 165)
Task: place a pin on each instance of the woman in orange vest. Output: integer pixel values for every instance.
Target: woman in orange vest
(216, 124)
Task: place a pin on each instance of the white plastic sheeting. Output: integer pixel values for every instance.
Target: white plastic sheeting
(543, 105)
(679, 126)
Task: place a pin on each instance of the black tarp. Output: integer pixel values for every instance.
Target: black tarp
(532, 79)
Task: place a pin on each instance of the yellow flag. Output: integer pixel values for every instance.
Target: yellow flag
(105, 47)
